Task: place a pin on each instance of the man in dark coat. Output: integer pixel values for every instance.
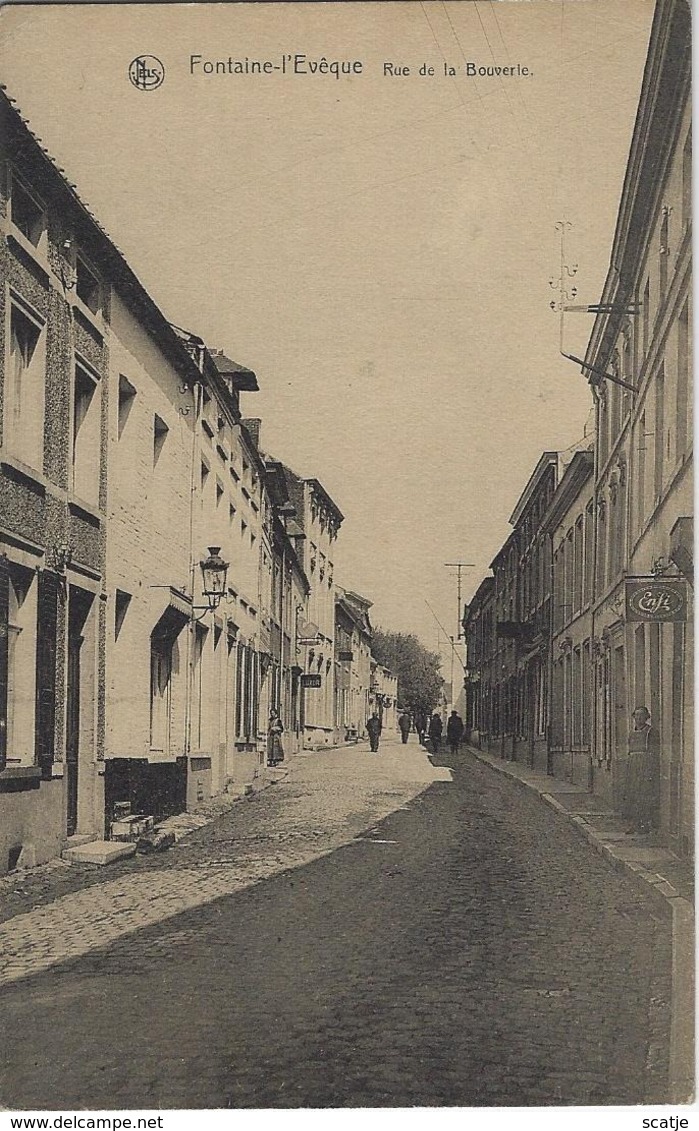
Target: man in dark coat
(421, 726)
(404, 724)
(373, 726)
(455, 732)
(435, 733)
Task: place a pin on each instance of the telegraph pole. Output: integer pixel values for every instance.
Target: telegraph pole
(459, 566)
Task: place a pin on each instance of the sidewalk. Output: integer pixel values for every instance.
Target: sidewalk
(657, 872)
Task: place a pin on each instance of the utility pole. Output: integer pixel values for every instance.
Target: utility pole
(459, 566)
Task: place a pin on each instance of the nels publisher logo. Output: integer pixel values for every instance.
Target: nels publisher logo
(146, 72)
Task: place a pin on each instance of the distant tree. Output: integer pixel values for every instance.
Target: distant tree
(417, 669)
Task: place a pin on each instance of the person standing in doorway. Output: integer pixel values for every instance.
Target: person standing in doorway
(435, 733)
(641, 801)
(373, 727)
(455, 732)
(404, 725)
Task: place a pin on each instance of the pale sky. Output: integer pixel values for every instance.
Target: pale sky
(377, 248)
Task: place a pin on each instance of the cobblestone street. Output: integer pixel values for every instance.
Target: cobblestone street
(373, 930)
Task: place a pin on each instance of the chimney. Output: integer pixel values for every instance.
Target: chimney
(254, 427)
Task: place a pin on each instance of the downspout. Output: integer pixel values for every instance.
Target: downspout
(197, 390)
(593, 595)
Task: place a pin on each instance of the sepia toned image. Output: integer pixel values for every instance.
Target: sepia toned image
(346, 556)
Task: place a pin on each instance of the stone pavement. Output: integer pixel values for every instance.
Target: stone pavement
(59, 911)
(469, 950)
(669, 880)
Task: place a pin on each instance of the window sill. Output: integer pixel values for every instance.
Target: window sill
(80, 507)
(93, 323)
(20, 470)
(18, 779)
(18, 243)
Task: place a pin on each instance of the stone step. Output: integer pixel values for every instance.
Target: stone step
(98, 852)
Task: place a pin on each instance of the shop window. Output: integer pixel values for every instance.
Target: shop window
(86, 435)
(23, 417)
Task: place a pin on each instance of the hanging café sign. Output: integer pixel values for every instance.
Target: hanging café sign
(656, 599)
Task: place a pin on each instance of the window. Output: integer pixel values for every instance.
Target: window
(640, 667)
(160, 693)
(589, 545)
(663, 252)
(646, 317)
(682, 399)
(586, 694)
(23, 420)
(231, 513)
(576, 696)
(659, 447)
(641, 474)
(160, 431)
(122, 600)
(198, 701)
(603, 427)
(86, 435)
(578, 566)
(219, 492)
(602, 547)
(26, 213)
(127, 394)
(687, 182)
(87, 286)
(21, 666)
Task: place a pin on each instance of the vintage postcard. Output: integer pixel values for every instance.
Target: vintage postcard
(346, 560)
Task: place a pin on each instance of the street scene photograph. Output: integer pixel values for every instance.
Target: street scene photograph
(346, 560)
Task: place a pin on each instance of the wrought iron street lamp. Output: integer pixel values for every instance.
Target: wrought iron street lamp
(214, 572)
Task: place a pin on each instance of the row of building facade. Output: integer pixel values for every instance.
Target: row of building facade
(164, 584)
(588, 611)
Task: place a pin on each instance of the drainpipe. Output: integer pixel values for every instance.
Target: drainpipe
(593, 595)
(189, 666)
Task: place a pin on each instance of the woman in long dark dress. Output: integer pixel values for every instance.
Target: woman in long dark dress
(642, 784)
(275, 749)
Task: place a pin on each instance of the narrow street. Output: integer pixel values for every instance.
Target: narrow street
(372, 931)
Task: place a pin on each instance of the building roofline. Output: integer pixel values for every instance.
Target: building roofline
(545, 461)
(665, 86)
(124, 279)
(574, 478)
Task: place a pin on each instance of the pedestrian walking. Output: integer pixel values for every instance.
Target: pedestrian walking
(642, 783)
(275, 749)
(404, 725)
(373, 727)
(421, 726)
(435, 733)
(455, 731)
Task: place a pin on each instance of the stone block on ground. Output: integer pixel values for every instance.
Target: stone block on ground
(99, 852)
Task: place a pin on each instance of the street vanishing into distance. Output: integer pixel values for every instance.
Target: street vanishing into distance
(387, 932)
